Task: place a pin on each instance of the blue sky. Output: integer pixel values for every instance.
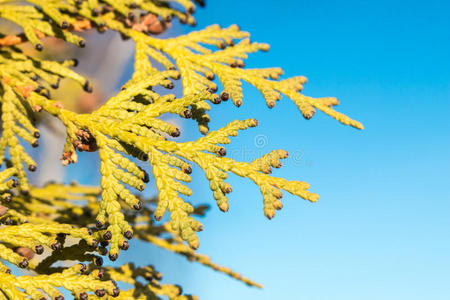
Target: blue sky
(381, 227)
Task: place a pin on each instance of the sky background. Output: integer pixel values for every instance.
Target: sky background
(381, 227)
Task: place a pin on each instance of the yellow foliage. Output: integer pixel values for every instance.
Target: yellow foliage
(52, 220)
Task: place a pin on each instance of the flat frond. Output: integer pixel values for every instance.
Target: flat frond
(134, 134)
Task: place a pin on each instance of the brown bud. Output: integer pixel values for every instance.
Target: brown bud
(267, 170)
(83, 296)
(113, 257)
(213, 88)
(222, 45)
(138, 205)
(169, 85)
(224, 96)
(269, 214)
(168, 18)
(194, 244)
(308, 115)
(83, 268)
(125, 245)
(107, 235)
(39, 249)
(128, 234)
(7, 198)
(277, 205)
(176, 76)
(254, 123)
(146, 178)
(158, 276)
(56, 246)
(191, 9)
(64, 24)
(187, 170)
(224, 207)
(176, 132)
(216, 99)
(94, 243)
(222, 151)
(180, 289)
(98, 261)
(98, 224)
(191, 21)
(100, 292)
(148, 276)
(101, 273)
(187, 114)
(87, 87)
(228, 189)
(115, 292)
(24, 263)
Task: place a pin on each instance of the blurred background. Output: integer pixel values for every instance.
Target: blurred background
(381, 227)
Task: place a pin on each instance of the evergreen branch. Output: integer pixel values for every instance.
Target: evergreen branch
(53, 205)
(71, 279)
(129, 125)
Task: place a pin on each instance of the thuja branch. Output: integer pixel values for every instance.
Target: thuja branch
(129, 127)
(91, 132)
(45, 208)
(128, 123)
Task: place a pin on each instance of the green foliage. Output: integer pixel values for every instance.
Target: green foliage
(52, 220)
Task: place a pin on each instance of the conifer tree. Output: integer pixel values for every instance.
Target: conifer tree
(40, 227)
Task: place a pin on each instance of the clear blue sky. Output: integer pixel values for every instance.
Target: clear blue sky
(381, 227)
